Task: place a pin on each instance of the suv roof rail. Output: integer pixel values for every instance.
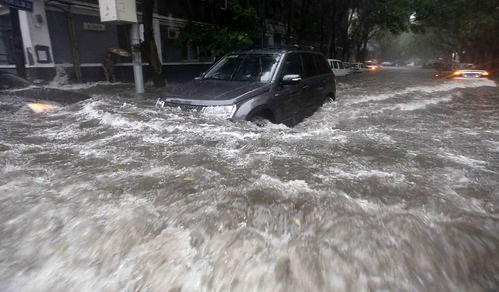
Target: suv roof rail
(286, 47)
(295, 47)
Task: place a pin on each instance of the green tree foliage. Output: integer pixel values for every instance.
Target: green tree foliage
(239, 30)
(372, 17)
(467, 27)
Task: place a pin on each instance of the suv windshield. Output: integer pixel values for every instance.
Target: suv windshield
(245, 67)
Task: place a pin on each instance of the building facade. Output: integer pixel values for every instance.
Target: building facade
(68, 35)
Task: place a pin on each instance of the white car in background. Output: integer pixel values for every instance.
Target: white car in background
(468, 70)
(348, 66)
(470, 73)
(338, 67)
(359, 67)
(462, 71)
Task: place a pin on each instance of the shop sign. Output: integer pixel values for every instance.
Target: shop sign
(94, 26)
(26, 5)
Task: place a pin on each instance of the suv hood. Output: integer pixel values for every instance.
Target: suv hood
(213, 92)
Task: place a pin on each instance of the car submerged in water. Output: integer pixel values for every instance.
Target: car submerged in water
(276, 85)
(17, 93)
(462, 71)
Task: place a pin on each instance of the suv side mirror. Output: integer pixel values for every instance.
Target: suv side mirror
(291, 79)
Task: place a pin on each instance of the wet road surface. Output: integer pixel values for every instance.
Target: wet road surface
(393, 187)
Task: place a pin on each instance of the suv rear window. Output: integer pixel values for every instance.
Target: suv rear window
(321, 64)
(309, 65)
(314, 64)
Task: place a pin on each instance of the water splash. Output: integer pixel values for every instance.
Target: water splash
(61, 77)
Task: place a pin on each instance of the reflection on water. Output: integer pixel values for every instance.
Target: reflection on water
(393, 187)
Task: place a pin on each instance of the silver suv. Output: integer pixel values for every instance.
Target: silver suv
(276, 85)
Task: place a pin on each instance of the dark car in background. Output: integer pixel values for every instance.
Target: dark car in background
(278, 85)
(17, 93)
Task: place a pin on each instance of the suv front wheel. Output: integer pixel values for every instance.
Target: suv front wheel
(262, 118)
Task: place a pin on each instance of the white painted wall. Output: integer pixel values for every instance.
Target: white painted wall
(34, 30)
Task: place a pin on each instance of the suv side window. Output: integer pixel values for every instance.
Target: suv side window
(292, 65)
(309, 65)
(321, 65)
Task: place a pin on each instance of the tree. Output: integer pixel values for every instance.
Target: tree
(468, 27)
(239, 30)
(371, 17)
(149, 45)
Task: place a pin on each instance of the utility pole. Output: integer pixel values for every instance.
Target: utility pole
(125, 11)
(17, 43)
(137, 59)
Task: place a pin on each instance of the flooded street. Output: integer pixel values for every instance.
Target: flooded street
(393, 187)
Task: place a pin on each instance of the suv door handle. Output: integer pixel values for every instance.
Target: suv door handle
(305, 86)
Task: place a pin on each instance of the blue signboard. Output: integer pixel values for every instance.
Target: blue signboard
(18, 4)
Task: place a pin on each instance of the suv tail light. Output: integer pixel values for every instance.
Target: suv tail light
(333, 76)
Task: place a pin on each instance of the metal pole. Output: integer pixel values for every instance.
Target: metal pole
(137, 59)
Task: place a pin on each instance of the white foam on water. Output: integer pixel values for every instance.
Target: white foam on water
(447, 86)
(461, 159)
(60, 78)
(419, 104)
(292, 188)
(82, 86)
(362, 174)
(115, 120)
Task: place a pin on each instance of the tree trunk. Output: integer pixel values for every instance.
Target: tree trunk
(263, 25)
(364, 50)
(150, 44)
(17, 43)
(305, 7)
(331, 46)
(322, 26)
(288, 20)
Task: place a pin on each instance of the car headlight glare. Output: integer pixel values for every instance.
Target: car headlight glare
(42, 107)
(223, 111)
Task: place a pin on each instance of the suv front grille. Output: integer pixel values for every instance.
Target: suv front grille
(184, 107)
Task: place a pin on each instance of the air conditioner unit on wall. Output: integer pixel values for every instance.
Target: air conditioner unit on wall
(173, 33)
(119, 11)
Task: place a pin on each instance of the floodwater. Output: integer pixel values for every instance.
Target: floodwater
(393, 187)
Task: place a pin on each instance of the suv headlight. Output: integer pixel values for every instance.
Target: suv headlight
(223, 111)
